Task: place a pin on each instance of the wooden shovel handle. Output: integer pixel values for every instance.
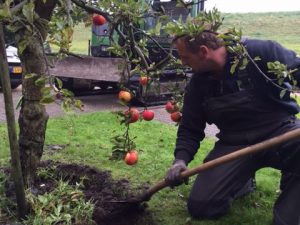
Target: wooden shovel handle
(272, 142)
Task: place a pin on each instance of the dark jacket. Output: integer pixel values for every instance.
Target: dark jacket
(236, 89)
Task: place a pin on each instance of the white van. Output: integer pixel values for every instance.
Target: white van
(14, 64)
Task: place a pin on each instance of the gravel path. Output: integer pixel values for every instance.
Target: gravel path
(95, 103)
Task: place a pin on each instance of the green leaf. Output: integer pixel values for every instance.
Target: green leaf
(158, 28)
(66, 105)
(22, 45)
(118, 155)
(67, 93)
(244, 64)
(117, 139)
(41, 81)
(30, 75)
(5, 13)
(233, 67)
(5, 10)
(230, 49)
(58, 209)
(294, 82)
(118, 147)
(46, 90)
(280, 81)
(195, 26)
(42, 199)
(282, 93)
(28, 12)
(47, 99)
(19, 103)
(78, 104)
(59, 83)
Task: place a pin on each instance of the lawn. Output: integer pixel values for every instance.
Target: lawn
(279, 26)
(86, 139)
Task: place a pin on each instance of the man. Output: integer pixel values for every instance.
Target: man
(247, 108)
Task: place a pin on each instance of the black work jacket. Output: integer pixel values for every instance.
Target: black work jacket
(238, 102)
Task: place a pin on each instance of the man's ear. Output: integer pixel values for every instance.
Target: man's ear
(203, 51)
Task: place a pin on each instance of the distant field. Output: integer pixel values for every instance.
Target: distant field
(81, 38)
(80, 43)
(283, 27)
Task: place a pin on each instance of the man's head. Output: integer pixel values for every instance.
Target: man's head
(203, 53)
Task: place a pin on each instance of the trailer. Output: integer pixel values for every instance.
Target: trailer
(85, 73)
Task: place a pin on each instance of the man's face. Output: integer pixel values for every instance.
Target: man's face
(195, 60)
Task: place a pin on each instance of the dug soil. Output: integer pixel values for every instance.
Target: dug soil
(99, 187)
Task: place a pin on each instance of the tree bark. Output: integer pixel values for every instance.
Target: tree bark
(33, 116)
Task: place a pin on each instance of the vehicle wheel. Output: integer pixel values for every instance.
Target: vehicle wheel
(137, 99)
(104, 86)
(115, 87)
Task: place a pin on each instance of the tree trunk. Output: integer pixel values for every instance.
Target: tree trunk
(33, 116)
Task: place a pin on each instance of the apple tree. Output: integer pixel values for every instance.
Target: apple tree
(31, 22)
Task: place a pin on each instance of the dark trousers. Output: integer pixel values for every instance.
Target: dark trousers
(215, 189)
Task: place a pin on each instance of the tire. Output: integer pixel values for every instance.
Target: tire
(138, 99)
(104, 86)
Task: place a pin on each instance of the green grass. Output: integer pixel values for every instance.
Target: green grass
(87, 140)
(81, 39)
(4, 153)
(279, 26)
(80, 42)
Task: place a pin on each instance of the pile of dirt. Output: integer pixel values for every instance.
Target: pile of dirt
(107, 194)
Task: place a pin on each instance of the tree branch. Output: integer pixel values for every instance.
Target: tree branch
(263, 74)
(17, 7)
(152, 39)
(91, 9)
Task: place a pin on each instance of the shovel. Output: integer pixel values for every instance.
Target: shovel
(272, 142)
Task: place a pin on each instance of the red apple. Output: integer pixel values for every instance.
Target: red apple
(131, 157)
(133, 115)
(144, 80)
(99, 20)
(124, 96)
(170, 107)
(148, 115)
(176, 116)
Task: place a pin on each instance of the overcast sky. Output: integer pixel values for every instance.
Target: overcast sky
(253, 5)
